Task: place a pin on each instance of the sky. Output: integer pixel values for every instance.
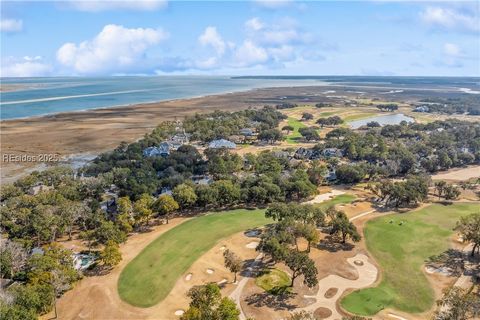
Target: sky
(258, 37)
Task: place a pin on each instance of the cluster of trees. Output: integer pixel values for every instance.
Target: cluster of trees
(458, 304)
(447, 191)
(469, 229)
(45, 276)
(330, 121)
(468, 104)
(206, 302)
(387, 107)
(220, 124)
(294, 222)
(409, 192)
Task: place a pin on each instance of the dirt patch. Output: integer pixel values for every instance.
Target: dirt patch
(458, 174)
(330, 293)
(322, 313)
(252, 245)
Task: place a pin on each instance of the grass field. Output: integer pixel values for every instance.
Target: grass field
(294, 135)
(149, 278)
(401, 250)
(341, 199)
(274, 281)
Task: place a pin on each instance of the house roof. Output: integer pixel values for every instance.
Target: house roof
(222, 143)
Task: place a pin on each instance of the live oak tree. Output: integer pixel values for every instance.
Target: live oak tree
(111, 255)
(469, 229)
(458, 304)
(340, 225)
(165, 205)
(207, 303)
(307, 116)
(185, 195)
(301, 264)
(288, 128)
(142, 212)
(232, 262)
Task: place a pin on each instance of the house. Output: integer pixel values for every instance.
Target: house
(331, 175)
(162, 150)
(422, 108)
(303, 153)
(181, 138)
(202, 180)
(222, 143)
(332, 152)
(247, 132)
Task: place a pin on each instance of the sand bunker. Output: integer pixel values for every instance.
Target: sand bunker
(367, 274)
(188, 277)
(442, 270)
(325, 196)
(358, 262)
(391, 315)
(222, 281)
(223, 248)
(179, 312)
(331, 293)
(252, 245)
(322, 313)
(210, 271)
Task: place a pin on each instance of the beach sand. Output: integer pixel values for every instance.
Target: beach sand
(86, 133)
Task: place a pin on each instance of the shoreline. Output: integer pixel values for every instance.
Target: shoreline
(94, 131)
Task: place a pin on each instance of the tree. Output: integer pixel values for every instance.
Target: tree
(288, 128)
(270, 135)
(350, 173)
(316, 172)
(440, 187)
(232, 262)
(184, 195)
(307, 116)
(340, 225)
(451, 192)
(301, 264)
(309, 133)
(13, 258)
(165, 205)
(469, 229)
(207, 303)
(70, 212)
(142, 212)
(111, 255)
(458, 304)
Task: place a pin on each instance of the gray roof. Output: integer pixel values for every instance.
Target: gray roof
(222, 143)
(162, 150)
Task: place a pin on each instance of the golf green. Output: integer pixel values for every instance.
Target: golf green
(401, 244)
(150, 277)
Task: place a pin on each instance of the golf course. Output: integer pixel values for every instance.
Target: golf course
(149, 278)
(401, 244)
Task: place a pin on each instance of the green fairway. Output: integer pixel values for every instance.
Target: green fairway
(294, 135)
(341, 199)
(149, 278)
(401, 250)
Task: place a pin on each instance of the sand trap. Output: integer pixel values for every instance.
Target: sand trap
(325, 196)
(252, 245)
(442, 270)
(322, 313)
(331, 293)
(222, 281)
(367, 274)
(391, 315)
(210, 271)
(358, 262)
(188, 277)
(223, 248)
(179, 312)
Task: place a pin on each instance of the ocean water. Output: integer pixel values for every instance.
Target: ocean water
(41, 96)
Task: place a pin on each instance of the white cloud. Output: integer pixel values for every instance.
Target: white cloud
(273, 4)
(25, 67)
(249, 54)
(104, 5)
(254, 24)
(210, 37)
(11, 25)
(451, 49)
(114, 49)
(451, 19)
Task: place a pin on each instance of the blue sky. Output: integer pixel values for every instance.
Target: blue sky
(91, 38)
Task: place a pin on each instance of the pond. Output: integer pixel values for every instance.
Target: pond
(382, 120)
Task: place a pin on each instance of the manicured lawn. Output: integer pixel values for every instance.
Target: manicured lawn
(401, 250)
(341, 199)
(274, 281)
(294, 135)
(150, 277)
